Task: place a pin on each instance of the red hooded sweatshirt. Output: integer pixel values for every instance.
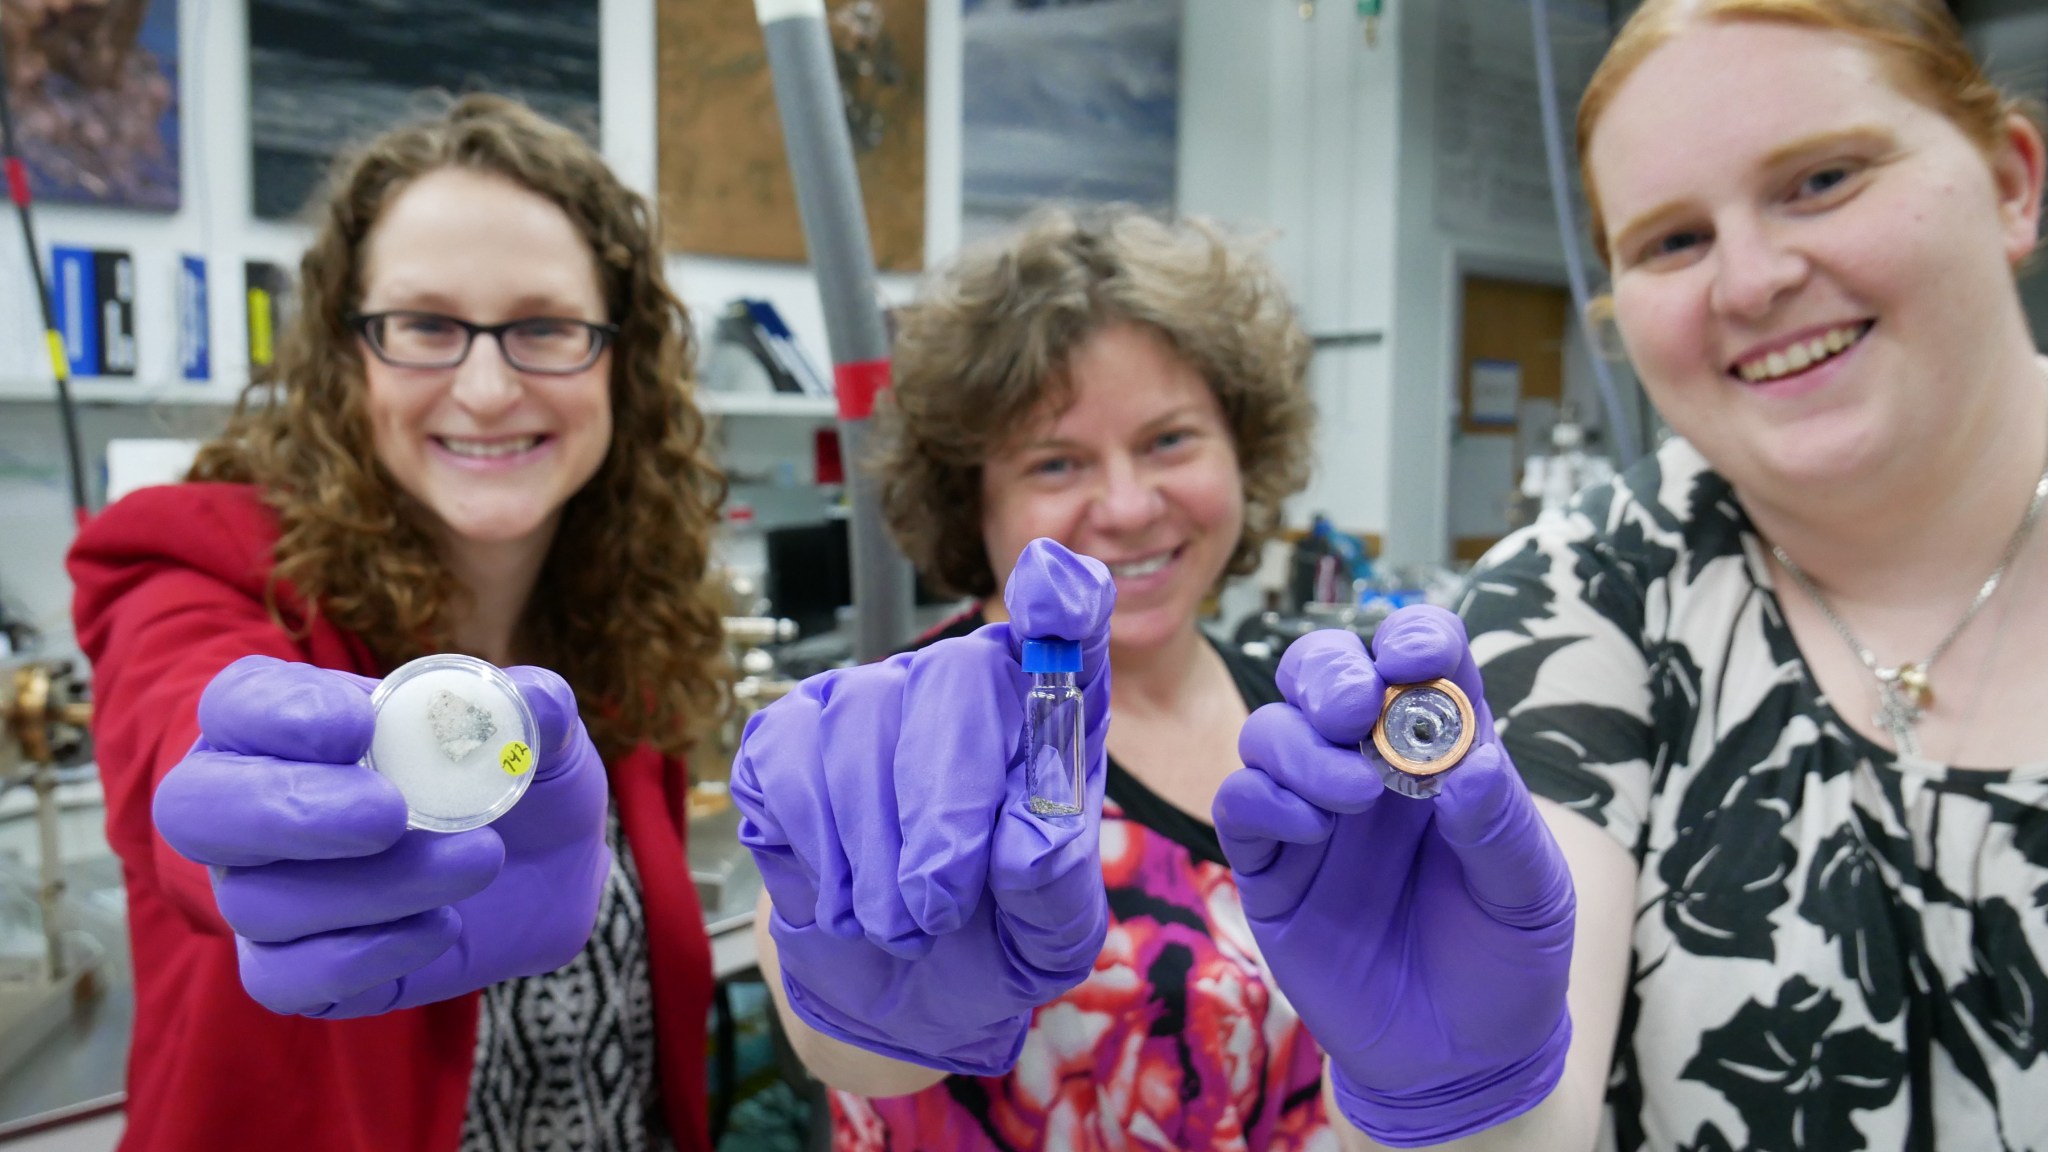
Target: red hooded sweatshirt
(169, 590)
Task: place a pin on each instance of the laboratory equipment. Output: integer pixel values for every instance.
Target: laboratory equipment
(1053, 716)
(1424, 730)
(1324, 566)
(752, 644)
(48, 965)
(457, 738)
(1551, 481)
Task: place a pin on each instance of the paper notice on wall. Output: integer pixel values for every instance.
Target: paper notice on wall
(1496, 392)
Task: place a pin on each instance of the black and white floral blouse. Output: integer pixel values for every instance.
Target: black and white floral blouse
(1834, 950)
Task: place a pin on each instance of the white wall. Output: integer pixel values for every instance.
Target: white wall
(1288, 128)
(1301, 127)
(1432, 256)
(1428, 264)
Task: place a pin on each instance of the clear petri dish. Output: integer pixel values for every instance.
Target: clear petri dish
(456, 737)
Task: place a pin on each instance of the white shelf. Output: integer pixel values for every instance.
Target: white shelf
(92, 390)
(767, 404)
(112, 390)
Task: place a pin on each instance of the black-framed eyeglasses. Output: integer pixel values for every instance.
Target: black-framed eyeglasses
(546, 345)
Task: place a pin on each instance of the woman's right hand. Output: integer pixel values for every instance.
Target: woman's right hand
(338, 909)
(921, 910)
(1426, 943)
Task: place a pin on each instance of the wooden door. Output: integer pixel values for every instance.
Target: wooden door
(1513, 353)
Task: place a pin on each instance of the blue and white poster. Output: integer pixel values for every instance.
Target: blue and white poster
(1074, 101)
(92, 297)
(194, 363)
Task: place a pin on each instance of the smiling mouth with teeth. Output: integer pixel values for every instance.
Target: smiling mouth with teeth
(1803, 355)
(1140, 567)
(489, 449)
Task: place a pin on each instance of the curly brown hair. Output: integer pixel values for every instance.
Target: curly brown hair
(985, 348)
(623, 608)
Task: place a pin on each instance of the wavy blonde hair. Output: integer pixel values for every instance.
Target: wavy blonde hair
(986, 345)
(623, 608)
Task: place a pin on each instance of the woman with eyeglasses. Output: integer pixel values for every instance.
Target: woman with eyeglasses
(479, 438)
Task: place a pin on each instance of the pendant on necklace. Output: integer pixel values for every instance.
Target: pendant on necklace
(1902, 693)
(1913, 681)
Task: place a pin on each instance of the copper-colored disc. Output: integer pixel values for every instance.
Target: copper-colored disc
(1467, 723)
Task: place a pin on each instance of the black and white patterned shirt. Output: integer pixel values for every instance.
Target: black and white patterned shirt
(565, 1061)
(1833, 949)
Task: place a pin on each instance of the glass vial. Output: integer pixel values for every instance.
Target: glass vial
(1053, 715)
(1424, 731)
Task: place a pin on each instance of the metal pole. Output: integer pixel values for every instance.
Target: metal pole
(1618, 424)
(17, 189)
(828, 197)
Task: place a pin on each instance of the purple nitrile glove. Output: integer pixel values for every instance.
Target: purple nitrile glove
(921, 910)
(1426, 943)
(338, 909)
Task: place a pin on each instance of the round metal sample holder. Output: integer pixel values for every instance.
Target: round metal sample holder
(1424, 730)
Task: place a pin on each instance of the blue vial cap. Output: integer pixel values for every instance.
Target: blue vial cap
(1052, 655)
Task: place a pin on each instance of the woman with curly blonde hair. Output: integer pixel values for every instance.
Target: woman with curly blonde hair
(1093, 424)
(479, 438)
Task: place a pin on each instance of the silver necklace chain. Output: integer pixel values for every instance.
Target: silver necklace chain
(1905, 691)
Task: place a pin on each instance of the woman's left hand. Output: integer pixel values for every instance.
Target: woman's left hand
(1426, 943)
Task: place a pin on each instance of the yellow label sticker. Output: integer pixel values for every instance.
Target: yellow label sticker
(261, 349)
(60, 360)
(515, 758)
